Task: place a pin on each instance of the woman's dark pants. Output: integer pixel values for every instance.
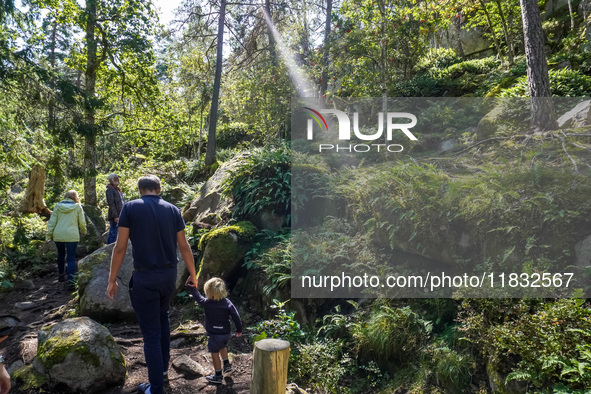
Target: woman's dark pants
(66, 251)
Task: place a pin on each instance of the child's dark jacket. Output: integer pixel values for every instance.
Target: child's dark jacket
(217, 313)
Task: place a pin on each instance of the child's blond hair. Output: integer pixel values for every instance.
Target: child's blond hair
(215, 289)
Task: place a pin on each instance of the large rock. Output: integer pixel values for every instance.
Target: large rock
(210, 200)
(93, 277)
(472, 41)
(81, 354)
(488, 126)
(579, 116)
(223, 250)
(95, 227)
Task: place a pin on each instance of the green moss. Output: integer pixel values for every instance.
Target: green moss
(55, 350)
(245, 231)
(29, 377)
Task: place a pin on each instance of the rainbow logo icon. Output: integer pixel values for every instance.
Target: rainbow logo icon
(317, 117)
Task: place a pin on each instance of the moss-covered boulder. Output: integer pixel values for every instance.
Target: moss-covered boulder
(223, 250)
(488, 126)
(80, 354)
(93, 277)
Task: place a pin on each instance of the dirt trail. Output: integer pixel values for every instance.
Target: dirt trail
(49, 302)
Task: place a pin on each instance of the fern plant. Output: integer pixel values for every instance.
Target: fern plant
(262, 181)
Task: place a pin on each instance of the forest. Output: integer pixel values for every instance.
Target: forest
(231, 104)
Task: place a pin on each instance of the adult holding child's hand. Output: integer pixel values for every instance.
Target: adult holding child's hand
(155, 228)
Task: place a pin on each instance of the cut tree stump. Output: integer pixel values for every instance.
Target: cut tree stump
(269, 366)
(34, 201)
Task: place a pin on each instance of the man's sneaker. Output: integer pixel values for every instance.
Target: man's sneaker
(227, 367)
(215, 379)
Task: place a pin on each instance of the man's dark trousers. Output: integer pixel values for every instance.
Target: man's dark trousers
(150, 293)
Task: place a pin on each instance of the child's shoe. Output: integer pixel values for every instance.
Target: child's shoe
(227, 366)
(215, 379)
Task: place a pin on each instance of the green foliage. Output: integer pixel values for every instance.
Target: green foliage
(439, 58)
(283, 326)
(471, 77)
(452, 369)
(478, 66)
(392, 334)
(406, 205)
(272, 253)
(261, 182)
(321, 366)
(230, 135)
(550, 340)
(563, 83)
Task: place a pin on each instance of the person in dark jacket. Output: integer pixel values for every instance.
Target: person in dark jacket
(218, 310)
(115, 202)
(65, 225)
(155, 228)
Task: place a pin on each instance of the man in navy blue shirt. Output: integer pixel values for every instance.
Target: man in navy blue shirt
(155, 228)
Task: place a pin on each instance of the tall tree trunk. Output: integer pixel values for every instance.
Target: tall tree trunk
(51, 105)
(324, 84)
(200, 132)
(506, 32)
(210, 156)
(570, 13)
(543, 115)
(92, 63)
(272, 50)
(492, 30)
(457, 24)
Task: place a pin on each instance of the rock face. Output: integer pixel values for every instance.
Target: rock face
(210, 199)
(174, 196)
(80, 354)
(579, 116)
(92, 284)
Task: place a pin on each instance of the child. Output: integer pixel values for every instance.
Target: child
(217, 309)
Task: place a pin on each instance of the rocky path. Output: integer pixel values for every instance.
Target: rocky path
(43, 300)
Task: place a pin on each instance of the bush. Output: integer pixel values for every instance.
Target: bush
(392, 335)
(320, 366)
(283, 326)
(438, 58)
(230, 135)
(452, 369)
(550, 341)
(563, 83)
(478, 66)
(262, 182)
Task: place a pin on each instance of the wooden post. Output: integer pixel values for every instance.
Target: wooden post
(269, 366)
